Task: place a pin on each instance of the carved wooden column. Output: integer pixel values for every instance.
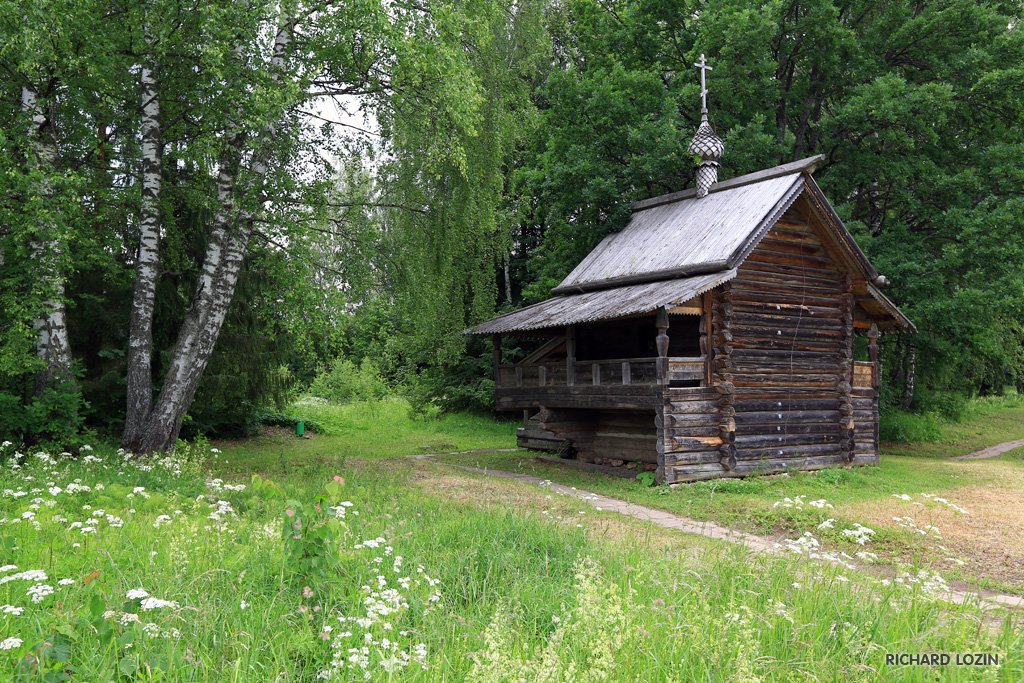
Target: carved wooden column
(705, 329)
(721, 347)
(661, 342)
(844, 387)
(570, 355)
(873, 354)
(876, 377)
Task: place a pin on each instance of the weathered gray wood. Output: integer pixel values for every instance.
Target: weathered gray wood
(782, 417)
(678, 424)
(570, 354)
(769, 442)
(783, 452)
(701, 407)
(621, 472)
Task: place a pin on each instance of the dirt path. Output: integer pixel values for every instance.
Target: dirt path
(991, 451)
(668, 520)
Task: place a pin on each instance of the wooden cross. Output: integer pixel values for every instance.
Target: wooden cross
(703, 66)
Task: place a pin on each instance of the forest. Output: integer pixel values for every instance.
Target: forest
(210, 208)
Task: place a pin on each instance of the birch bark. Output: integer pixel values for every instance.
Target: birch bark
(226, 248)
(147, 261)
(50, 324)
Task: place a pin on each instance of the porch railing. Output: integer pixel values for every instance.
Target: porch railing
(615, 371)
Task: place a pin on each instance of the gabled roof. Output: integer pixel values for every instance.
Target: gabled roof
(683, 232)
(676, 244)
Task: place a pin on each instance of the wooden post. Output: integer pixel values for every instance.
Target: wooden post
(844, 387)
(876, 377)
(705, 330)
(627, 378)
(720, 324)
(661, 342)
(873, 354)
(570, 355)
(595, 371)
(542, 375)
(496, 352)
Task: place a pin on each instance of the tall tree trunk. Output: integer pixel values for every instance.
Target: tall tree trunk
(508, 281)
(909, 369)
(50, 325)
(147, 261)
(215, 289)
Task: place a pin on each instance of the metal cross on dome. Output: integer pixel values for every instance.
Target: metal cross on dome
(704, 68)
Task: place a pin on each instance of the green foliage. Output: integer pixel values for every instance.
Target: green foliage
(645, 479)
(282, 420)
(465, 384)
(312, 531)
(911, 107)
(897, 426)
(348, 382)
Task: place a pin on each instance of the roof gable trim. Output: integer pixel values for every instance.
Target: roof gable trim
(803, 165)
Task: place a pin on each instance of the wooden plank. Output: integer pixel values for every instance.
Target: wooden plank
(790, 428)
(786, 404)
(780, 342)
(695, 431)
(782, 417)
(777, 372)
(793, 235)
(692, 458)
(747, 331)
(773, 244)
(786, 381)
(788, 324)
(758, 276)
(782, 294)
(760, 255)
(804, 451)
(689, 420)
(787, 355)
(675, 444)
(680, 408)
(771, 443)
(787, 309)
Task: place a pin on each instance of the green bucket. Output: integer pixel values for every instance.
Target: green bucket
(300, 428)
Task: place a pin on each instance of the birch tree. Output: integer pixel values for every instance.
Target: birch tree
(40, 58)
(275, 66)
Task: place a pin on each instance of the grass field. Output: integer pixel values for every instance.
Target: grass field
(984, 547)
(188, 569)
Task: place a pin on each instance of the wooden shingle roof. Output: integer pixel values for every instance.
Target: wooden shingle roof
(679, 245)
(603, 304)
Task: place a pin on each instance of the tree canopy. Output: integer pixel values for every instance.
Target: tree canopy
(216, 201)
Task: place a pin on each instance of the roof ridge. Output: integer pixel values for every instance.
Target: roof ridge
(803, 165)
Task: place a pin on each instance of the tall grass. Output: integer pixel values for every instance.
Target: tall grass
(939, 416)
(423, 589)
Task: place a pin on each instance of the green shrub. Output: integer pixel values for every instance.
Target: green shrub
(282, 420)
(949, 405)
(466, 385)
(897, 426)
(347, 382)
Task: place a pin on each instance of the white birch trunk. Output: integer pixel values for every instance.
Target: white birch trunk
(215, 290)
(50, 324)
(147, 261)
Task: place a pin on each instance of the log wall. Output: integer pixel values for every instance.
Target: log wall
(784, 391)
